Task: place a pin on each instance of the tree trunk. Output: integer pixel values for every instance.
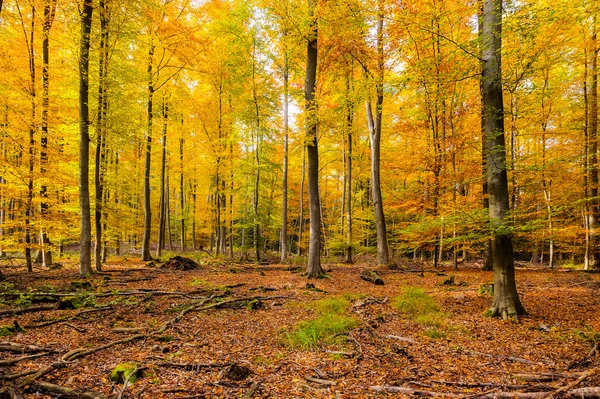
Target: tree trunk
(100, 134)
(284, 184)
(348, 182)
(506, 299)
(163, 170)
(375, 136)
(85, 267)
(314, 247)
(301, 213)
(593, 151)
(182, 199)
(32, 128)
(487, 254)
(147, 158)
(49, 12)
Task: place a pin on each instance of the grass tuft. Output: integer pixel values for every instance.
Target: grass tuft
(415, 304)
(329, 328)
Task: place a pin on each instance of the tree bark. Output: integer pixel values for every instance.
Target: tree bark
(284, 184)
(181, 197)
(506, 299)
(49, 12)
(301, 212)
(100, 134)
(161, 221)
(147, 160)
(314, 248)
(487, 254)
(375, 136)
(593, 152)
(85, 267)
(348, 180)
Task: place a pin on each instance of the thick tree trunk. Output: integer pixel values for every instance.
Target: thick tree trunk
(487, 254)
(314, 248)
(85, 267)
(163, 170)
(147, 160)
(506, 299)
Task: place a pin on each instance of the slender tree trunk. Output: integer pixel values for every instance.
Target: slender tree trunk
(85, 267)
(168, 215)
(181, 196)
(314, 248)
(375, 136)
(284, 184)
(586, 162)
(100, 134)
(348, 180)
(163, 170)
(32, 127)
(506, 299)
(301, 214)
(146, 256)
(593, 148)
(49, 11)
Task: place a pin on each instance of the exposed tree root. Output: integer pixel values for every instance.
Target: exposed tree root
(64, 392)
(10, 362)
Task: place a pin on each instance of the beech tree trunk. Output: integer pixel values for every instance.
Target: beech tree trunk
(314, 247)
(181, 198)
(101, 134)
(32, 127)
(49, 12)
(284, 184)
(348, 180)
(487, 254)
(301, 214)
(506, 299)
(85, 267)
(375, 136)
(161, 221)
(593, 152)
(147, 158)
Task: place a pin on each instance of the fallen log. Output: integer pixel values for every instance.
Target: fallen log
(371, 276)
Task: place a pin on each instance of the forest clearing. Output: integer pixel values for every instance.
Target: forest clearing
(431, 340)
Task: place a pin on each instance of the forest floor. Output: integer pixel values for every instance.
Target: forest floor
(235, 330)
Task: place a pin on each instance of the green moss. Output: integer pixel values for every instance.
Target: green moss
(125, 371)
(7, 329)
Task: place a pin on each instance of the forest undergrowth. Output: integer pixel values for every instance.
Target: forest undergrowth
(242, 330)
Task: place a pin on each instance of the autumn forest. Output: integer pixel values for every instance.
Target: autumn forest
(390, 138)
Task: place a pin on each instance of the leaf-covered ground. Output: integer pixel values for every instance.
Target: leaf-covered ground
(186, 329)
